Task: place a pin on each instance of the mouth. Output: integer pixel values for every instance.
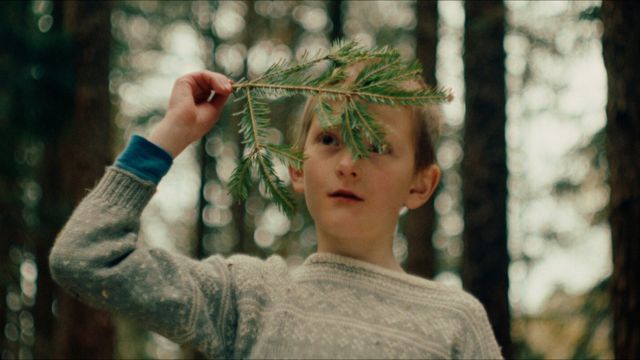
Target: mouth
(345, 195)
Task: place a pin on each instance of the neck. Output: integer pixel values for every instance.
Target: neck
(374, 251)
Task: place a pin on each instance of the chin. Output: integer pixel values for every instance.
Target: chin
(343, 226)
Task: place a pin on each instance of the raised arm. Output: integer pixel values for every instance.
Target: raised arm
(96, 256)
(190, 116)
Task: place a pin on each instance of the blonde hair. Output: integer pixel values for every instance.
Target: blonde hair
(426, 121)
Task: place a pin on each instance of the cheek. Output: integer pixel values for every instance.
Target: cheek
(311, 172)
(393, 189)
(312, 187)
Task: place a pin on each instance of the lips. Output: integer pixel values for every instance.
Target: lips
(346, 195)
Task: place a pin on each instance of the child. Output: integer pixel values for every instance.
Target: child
(351, 299)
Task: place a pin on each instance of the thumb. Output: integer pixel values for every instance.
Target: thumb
(210, 111)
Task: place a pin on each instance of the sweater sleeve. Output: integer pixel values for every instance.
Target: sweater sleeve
(96, 258)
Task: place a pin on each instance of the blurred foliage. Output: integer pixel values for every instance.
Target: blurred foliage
(582, 321)
(591, 13)
(596, 180)
(546, 45)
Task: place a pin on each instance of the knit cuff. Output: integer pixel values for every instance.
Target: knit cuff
(144, 159)
(122, 189)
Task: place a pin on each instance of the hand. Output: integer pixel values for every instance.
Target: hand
(190, 116)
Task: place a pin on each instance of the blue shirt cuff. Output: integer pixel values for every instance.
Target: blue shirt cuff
(144, 159)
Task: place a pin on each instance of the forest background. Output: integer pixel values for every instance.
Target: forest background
(537, 214)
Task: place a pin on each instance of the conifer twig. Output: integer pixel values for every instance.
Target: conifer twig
(379, 81)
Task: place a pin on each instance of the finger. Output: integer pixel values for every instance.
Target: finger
(212, 110)
(184, 87)
(219, 100)
(213, 93)
(209, 80)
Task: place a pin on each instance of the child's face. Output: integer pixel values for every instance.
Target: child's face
(362, 198)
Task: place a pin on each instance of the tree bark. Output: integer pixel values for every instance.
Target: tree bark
(484, 172)
(334, 11)
(80, 155)
(621, 56)
(420, 222)
(37, 102)
(12, 26)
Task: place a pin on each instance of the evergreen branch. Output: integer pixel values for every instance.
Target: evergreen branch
(240, 183)
(388, 81)
(280, 69)
(402, 97)
(364, 75)
(326, 116)
(346, 52)
(255, 135)
(253, 127)
(371, 128)
(274, 186)
(287, 155)
(351, 135)
(379, 81)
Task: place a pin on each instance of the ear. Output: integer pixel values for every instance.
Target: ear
(424, 184)
(297, 179)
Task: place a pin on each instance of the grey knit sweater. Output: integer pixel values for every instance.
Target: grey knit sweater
(243, 307)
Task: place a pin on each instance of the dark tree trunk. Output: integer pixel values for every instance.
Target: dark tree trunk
(51, 212)
(420, 222)
(78, 160)
(484, 171)
(12, 17)
(621, 57)
(335, 15)
(13, 54)
(427, 38)
(36, 105)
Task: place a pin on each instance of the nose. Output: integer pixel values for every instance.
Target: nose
(347, 166)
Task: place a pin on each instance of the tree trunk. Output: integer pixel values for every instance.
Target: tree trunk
(334, 11)
(12, 25)
(36, 105)
(80, 156)
(621, 57)
(420, 222)
(484, 172)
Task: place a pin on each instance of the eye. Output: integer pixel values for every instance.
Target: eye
(328, 139)
(382, 149)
